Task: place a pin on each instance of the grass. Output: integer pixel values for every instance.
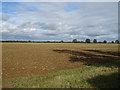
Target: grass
(95, 76)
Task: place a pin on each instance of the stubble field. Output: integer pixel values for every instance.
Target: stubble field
(24, 59)
(60, 65)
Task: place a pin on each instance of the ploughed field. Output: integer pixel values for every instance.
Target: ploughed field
(25, 59)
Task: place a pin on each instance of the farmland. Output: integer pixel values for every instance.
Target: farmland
(32, 61)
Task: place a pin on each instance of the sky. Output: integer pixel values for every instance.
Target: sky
(59, 21)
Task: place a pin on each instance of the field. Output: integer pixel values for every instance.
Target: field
(41, 64)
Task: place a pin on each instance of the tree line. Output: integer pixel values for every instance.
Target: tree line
(73, 41)
(94, 41)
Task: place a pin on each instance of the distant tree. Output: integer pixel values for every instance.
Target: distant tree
(95, 41)
(104, 41)
(87, 40)
(112, 42)
(117, 41)
(29, 41)
(74, 41)
(61, 41)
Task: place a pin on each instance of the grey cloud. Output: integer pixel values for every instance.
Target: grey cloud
(95, 34)
(26, 24)
(47, 26)
(5, 17)
(51, 34)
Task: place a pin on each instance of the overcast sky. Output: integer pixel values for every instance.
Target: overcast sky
(59, 21)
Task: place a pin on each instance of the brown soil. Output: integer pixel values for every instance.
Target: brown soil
(24, 59)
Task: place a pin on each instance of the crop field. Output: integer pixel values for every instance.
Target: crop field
(33, 59)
